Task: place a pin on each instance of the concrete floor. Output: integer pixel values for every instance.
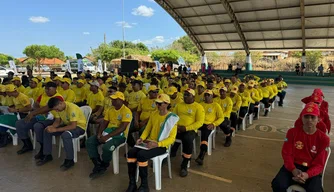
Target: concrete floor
(250, 163)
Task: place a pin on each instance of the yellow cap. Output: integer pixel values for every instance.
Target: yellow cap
(171, 90)
(227, 81)
(108, 80)
(251, 83)
(16, 79)
(81, 81)
(152, 88)
(39, 77)
(66, 80)
(57, 78)
(163, 98)
(47, 80)
(271, 80)
(223, 88)
(82, 74)
(132, 77)
(201, 83)
(234, 89)
(203, 75)
(256, 83)
(35, 80)
(2, 88)
(118, 95)
(208, 91)
(191, 91)
(10, 88)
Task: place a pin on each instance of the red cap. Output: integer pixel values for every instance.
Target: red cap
(316, 98)
(311, 109)
(318, 91)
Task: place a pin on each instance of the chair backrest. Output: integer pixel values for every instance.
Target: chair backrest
(87, 111)
(32, 102)
(323, 172)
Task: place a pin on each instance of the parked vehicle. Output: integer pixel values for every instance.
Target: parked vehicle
(4, 71)
(21, 69)
(89, 66)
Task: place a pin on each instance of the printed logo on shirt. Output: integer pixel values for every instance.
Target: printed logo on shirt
(285, 139)
(119, 117)
(153, 105)
(73, 114)
(190, 111)
(225, 105)
(127, 115)
(299, 145)
(314, 149)
(210, 110)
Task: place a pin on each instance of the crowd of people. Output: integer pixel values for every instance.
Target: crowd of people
(158, 107)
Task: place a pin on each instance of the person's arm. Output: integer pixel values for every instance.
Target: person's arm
(170, 139)
(119, 130)
(71, 97)
(102, 126)
(228, 109)
(306, 100)
(56, 122)
(41, 110)
(239, 102)
(147, 130)
(24, 109)
(287, 151)
(317, 165)
(71, 126)
(199, 119)
(219, 116)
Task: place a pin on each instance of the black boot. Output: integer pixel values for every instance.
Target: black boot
(39, 155)
(228, 141)
(143, 177)
(174, 149)
(132, 168)
(27, 146)
(46, 159)
(200, 157)
(68, 163)
(99, 170)
(184, 167)
(266, 112)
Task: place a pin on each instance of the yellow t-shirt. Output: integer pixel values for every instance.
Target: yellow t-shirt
(153, 127)
(94, 100)
(8, 101)
(174, 102)
(68, 95)
(259, 90)
(116, 117)
(21, 89)
(281, 86)
(245, 98)
(72, 113)
(226, 105)
(213, 113)
(135, 98)
(44, 99)
(21, 101)
(275, 90)
(199, 97)
(146, 106)
(107, 104)
(104, 90)
(34, 93)
(254, 95)
(191, 115)
(236, 102)
(265, 92)
(80, 94)
(271, 92)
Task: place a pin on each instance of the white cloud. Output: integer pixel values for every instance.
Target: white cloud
(151, 1)
(143, 11)
(126, 24)
(134, 23)
(39, 19)
(155, 40)
(86, 33)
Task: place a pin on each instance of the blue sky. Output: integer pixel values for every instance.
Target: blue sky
(75, 26)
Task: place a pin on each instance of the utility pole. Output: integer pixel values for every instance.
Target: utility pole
(105, 38)
(123, 23)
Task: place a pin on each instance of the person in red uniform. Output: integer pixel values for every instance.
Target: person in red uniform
(323, 118)
(317, 91)
(304, 152)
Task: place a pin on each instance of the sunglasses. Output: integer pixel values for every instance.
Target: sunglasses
(154, 91)
(159, 104)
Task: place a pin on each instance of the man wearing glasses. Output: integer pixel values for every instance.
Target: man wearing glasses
(191, 116)
(67, 93)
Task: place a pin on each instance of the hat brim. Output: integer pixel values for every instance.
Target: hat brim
(160, 101)
(116, 97)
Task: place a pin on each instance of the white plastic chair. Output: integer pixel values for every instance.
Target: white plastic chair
(76, 141)
(157, 167)
(211, 140)
(194, 143)
(295, 188)
(115, 153)
(244, 120)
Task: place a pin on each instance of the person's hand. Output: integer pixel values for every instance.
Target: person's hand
(99, 135)
(210, 126)
(51, 129)
(304, 176)
(28, 117)
(152, 144)
(11, 110)
(139, 141)
(296, 172)
(103, 139)
(181, 129)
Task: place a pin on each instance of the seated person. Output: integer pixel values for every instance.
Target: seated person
(107, 104)
(304, 153)
(159, 134)
(317, 91)
(70, 122)
(112, 132)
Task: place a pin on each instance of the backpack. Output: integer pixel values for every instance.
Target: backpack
(5, 139)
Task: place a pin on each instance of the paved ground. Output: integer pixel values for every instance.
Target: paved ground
(248, 165)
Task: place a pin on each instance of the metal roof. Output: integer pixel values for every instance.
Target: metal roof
(230, 25)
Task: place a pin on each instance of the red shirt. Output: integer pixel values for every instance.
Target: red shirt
(307, 150)
(321, 125)
(323, 106)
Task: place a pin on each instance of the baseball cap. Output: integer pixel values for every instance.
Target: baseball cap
(47, 80)
(311, 109)
(234, 89)
(57, 78)
(95, 83)
(171, 90)
(16, 79)
(81, 81)
(118, 95)
(227, 81)
(201, 83)
(251, 83)
(163, 98)
(316, 98)
(34, 80)
(39, 77)
(318, 91)
(191, 91)
(66, 80)
(10, 88)
(152, 88)
(208, 91)
(223, 88)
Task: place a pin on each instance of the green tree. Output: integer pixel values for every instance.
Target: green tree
(189, 58)
(5, 58)
(187, 45)
(165, 55)
(240, 56)
(107, 53)
(313, 58)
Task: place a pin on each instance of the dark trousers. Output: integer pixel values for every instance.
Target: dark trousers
(242, 114)
(225, 126)
(256, 108)
(142, 155)
(283, 180)
(82, 103)
(272, 99)
(265, 101)
(251, 108)
(205, 132)
(22, 128)
(131, 141)
(234, 120)
(281, 96)
(187, 139)
(67, 141)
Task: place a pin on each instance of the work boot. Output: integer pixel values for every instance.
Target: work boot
(200, 158)
(266, 112)
(46, 159)
(99, 170)
(68, 163)
(184, 167)
(39, 155)
(132, 168)
(27, 146)
(228, 141)
(143, 177)
(174, 149)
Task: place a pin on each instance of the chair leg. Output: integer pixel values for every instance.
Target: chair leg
(251, 119)
(53, 140)
(15, 138)
(78, 144)
(75, 150)
(214, 141)
(157, 173)
(169, 166)
(137, 174)
(115, 160)
(60, 145)
(34, 141)
(194, 143)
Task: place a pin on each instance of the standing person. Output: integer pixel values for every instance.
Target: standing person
(159, 134)
(303, 69)
(281, 85)
(210, 69)
(238, 69)
(304, 152)
(192, 117)
(321, 71)
(70, 122)
(297, 69)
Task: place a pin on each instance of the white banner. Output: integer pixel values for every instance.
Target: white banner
(99, 66)
(68, 66)
(80, 65)
(204, 60)
(157, 66)
(12, 66)
(105, 66)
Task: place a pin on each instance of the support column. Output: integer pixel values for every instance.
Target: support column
(204, 63)
(249, 66)
(303, 67)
